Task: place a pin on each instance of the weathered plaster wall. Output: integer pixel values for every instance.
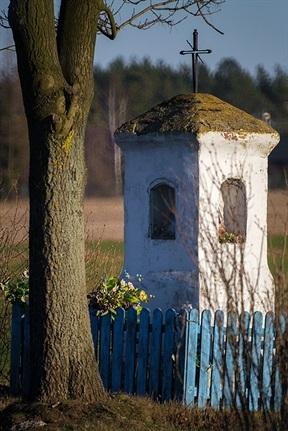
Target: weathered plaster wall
(169, 267)
(234, 274)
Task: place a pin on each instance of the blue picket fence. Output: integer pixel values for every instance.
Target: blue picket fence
(184, 356)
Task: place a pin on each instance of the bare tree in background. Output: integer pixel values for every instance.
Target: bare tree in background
(55, 65)
(117, 110)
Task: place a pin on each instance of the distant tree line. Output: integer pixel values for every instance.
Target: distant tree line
(123, 91)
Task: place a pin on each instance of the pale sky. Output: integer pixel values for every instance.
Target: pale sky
(255, 32)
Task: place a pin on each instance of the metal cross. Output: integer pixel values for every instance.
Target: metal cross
(195, 56)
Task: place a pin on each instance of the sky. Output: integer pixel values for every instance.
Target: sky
(255, 32)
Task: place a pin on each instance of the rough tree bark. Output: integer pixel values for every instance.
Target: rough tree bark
(56, 74)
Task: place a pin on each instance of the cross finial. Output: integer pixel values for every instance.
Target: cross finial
(195, 56)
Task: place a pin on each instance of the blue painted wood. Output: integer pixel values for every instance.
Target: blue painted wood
(143, 345)
(180, 338)
(217, 359)
(16, 345)
(255, 369)
(268, 361)
(104, 353)
(94, 324)
(26, 353)
(257, 377)
(280, 343)
(117, 350)
(130, 352)
(204, 358)
(168, 351)
(156, 346)
(230, 360)
(243, 361)
(192, 330)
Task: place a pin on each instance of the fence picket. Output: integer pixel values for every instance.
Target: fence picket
(191, 357)
(180, 337)
(94, 324)
(278, 391)
(117, 350)
(156, 346)
(217, 359)
(204, 358)
(243, 359)
(230, 358)
(168, 350)
(143, 352)
(267, 361)
(255, 370)
(26, 353)
(104, 354)
(130, 351)
(16, 346)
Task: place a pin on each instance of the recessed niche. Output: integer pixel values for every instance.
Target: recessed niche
(233, 212)
(162, 212)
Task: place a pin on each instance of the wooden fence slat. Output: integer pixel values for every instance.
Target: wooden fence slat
(180, 338)
(278, 391)
(143, 345)
(168, 350)
(16, 346)
(156, 346)
(192, 330)
(267, 361)
(26, 353)
(104, 353)
(255, 369)
(243, 361)
(217, 359)
(230, 358)
(117, 350)
(204, 358)
(94, 324)
(130, 351)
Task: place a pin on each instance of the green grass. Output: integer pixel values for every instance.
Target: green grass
(108, 246)
(103, 258)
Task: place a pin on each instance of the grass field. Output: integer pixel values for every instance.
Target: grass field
(104, 232)
(105, 218)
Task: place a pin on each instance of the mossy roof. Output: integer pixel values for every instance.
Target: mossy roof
(194, 113)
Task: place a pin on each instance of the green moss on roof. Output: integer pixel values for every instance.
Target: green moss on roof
(194, 113)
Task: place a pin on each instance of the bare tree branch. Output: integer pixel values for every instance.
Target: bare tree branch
(4, 20)
(106, 23)
(8, 48)
(146, 13)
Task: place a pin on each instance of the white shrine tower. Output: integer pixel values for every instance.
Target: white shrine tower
(195, 202)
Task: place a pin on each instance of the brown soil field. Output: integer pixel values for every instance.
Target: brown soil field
(104, 216)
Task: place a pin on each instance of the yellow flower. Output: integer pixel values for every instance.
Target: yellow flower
(143, 296)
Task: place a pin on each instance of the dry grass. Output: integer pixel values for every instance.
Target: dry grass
(122, 412)
(105, 216)
(278, 212)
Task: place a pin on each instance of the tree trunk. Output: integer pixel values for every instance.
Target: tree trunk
(57, 85)
(62, 355)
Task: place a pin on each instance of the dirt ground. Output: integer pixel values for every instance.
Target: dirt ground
(104, 216)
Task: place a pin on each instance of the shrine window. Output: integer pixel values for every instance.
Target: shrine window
(162, 212)
(233, 214)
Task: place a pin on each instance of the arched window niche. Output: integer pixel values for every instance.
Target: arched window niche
(233, 214)
(162, 224)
